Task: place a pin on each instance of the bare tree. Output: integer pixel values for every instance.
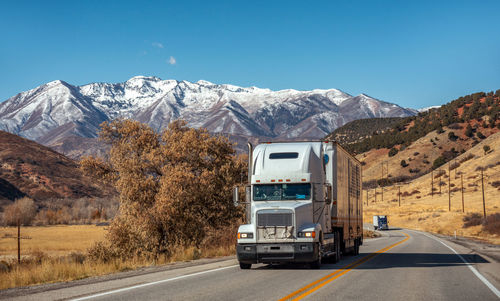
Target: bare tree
(22, 212)
(175, 187)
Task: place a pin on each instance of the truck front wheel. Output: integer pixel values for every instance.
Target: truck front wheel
(245, 266)
(317, 263)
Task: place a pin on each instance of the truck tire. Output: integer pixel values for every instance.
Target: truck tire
(245, 266)
(317, 263)
(336, 257)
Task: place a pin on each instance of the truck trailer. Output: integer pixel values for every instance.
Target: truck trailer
(303, 204)
(380, 222)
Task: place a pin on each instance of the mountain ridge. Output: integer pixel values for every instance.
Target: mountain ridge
(52, 112)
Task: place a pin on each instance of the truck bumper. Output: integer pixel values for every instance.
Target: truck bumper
(275, 253)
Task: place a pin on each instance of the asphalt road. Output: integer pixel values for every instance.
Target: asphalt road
(400, 265)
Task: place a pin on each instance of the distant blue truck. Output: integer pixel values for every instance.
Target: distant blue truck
(380, 222)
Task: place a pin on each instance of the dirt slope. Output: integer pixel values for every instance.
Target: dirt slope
(28, 168)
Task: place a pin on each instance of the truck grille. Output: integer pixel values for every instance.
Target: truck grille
(274, 219)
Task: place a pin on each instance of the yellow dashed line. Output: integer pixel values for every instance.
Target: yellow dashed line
(314, 286)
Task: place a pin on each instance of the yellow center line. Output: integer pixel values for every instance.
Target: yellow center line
(330, 277)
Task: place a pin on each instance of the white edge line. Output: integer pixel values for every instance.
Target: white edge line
(469, 265)
(150, 283)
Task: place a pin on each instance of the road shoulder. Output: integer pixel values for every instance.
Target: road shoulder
(198, 265)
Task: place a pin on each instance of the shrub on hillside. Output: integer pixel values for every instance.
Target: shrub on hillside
(393, 152)
(472, 219)
(452, 136)
(467, 157)
(403, 163)
(486, 149)
(492, 224)
(480, 135)
(468, 131)
(455, 126)
(438, 162)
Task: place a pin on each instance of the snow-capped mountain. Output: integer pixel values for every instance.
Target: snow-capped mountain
(57, 110)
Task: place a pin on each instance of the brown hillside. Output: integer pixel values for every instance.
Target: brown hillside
(420, 155)
(28, 168)
(441, 212)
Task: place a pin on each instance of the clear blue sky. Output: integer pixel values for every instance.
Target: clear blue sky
(414, 53)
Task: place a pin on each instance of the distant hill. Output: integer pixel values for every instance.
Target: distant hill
(28, 168)
(478, 110)
(357, 130)
(414, 146)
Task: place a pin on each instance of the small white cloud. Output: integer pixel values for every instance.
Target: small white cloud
(157, 45)
(172, 60)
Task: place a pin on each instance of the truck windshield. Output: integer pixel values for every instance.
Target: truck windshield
(281, 192)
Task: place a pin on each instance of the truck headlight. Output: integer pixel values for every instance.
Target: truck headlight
(307, 234)
(245, 235)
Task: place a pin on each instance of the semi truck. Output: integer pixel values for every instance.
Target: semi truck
(303, 204)
(380, 222)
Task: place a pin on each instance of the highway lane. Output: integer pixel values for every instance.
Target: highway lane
(401, 265)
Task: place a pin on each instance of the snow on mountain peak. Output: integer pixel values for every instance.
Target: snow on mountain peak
(57, 110)
(205, 83)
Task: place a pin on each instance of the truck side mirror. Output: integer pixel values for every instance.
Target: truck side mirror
(328, 194)
(236, 197)
(248, 194)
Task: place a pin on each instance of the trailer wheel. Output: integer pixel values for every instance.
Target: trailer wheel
(336, 257)
(245, 266)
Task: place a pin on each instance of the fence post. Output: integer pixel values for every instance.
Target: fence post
(462, 180)
(482, 188)
(399, 194)
(449, 188)
(432, 183)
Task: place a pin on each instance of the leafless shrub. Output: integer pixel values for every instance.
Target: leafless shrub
(455, 126)
(439, 173)
(492, 223)
(472, 219)
(101, 252)
(467, 157)
(454, 165)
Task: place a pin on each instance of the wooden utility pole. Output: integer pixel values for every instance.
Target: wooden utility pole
(432, 183)
(439, 183)
(399, 195)
(462, 180)
(449, 188)
(367, 197)
(375, 194)
(482, 188)
(381, 182)
(456, 167)
(19, 240)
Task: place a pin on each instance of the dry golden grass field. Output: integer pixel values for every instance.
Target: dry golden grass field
(58, 253)
(52, 240)
(422, 211)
